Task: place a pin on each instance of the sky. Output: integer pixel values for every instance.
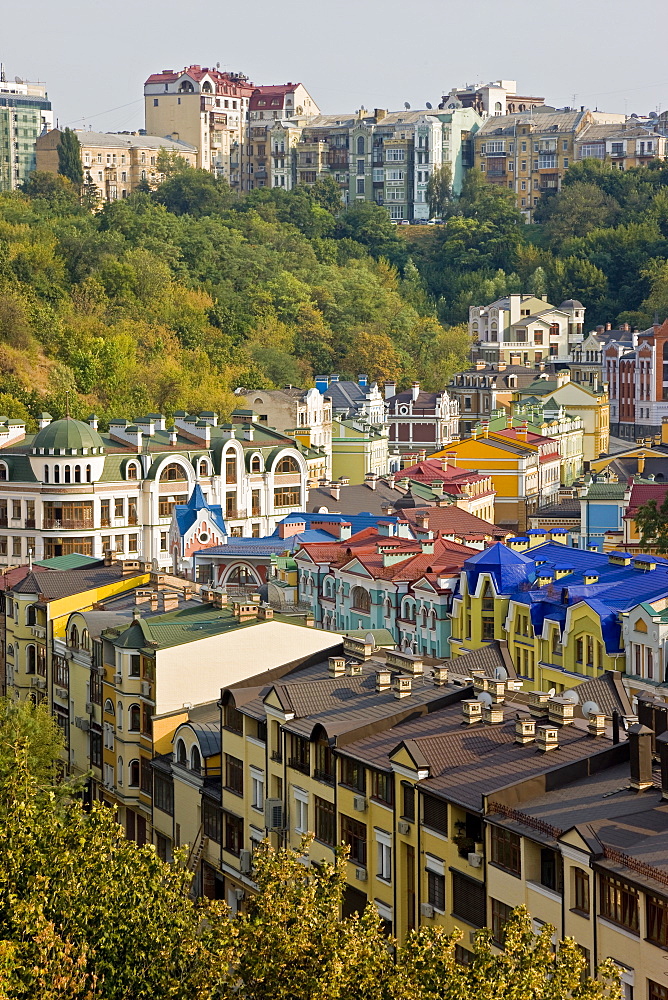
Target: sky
(95, 56)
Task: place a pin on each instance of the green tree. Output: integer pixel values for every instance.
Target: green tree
(439, 190)
(33, 729)
(652, 522)
(69, 157)
(327, 193)
(90, 195)
(578, 209)
(194, 192)
(169, 162)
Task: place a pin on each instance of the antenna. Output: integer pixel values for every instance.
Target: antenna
(551, 693)
(407, 106)
(571, 696)
(486, 699)
(67, 404)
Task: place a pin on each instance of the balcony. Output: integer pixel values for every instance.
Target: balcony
(496, 173)
(277, 756)
(329, 779)
(297, 764)
(67, 523)
(30, 522)
(3, 521)
(233, 513)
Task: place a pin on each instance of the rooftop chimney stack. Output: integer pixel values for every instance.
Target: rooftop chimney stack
(402, 685)
(440, 674)
(336, 666)
(415, 390)
(472, 710)
(597, 724)
(383, 680)
(547, 738)
(538, 703)
(640, 740)
(525, 728)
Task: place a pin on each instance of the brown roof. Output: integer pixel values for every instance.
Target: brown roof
(453, 520)
(64, 583)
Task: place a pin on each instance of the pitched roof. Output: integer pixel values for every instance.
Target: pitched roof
(453, 520)
(642, 494)
(65, 583)
(187, 514)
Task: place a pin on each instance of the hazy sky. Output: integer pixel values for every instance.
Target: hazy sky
(95, 55)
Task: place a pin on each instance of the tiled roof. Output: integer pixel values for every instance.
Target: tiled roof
(541, 120)
(642, 494)
(432, 470)
(54, 585)
(453, 520)
(126, 140)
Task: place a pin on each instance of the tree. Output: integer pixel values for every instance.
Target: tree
(41, 741)
(69, 157)
(169, 162)
(652, 522)
(90, 194)
(375, 355)
(327, 193)
(369, 224)
(439, 190)
(194, 192)
(577, 210)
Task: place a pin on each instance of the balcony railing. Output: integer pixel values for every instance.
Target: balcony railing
(329, 779)
(297, 764)
(66, 523)
(277, 756)
(3, 521)
(30, 522)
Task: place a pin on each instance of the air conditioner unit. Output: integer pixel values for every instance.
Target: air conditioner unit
(39, 682)
(273, 814)
(475, 859)
(61, 693)
(146, 689)
(360, 874)
(118, 678)
(426, 909)
(245, 862)
(472, 935)
(82, 724)
(90, 707)
(239, 895)
(359, 803)
(403, 827)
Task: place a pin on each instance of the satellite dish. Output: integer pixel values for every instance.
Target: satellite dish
(590, 708)
(653, 114)
(551, 693)
(407, 106)
(369, 638)
(500, 674)
(571, 696)
(485, 698)
(428, 105)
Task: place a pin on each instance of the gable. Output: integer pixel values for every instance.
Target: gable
(356, 567)
(575, 839)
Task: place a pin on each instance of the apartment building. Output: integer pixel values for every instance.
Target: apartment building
(290, 105)
(305, 414)
(420, 419)
(359, 449)
(546, 420)
(590, 401)
(115, 163)
(70, 489)
(637, 378)
(525, 329)
(494, 99)
(25, 113)
(485, 387)
(625, 145)
(354, 399)
(205, 108)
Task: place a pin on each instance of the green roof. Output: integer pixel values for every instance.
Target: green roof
(69, 435)
(606, 491)
(73, 561)
(381, 636)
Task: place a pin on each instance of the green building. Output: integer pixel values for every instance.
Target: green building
(25, 112)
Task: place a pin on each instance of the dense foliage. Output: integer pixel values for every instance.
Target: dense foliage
(86, 914)
(652, 522)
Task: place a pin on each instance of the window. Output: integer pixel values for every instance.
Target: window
(500, 916)
(657, 920)
(300, 754)
(135, 718)
(436, 890)
(230, 469)
(325, 767)
(146, 720)
(395, 154)
(287, 464)
(96, 747)
(325, 821)
(353, 833)
(619, 902)
(382, 787)
(134, 665)
(233, 719)
(580, 890)
(435, 814)
(506, 850)
(550, 870)
(360, 185)
(353, 774)
(234, 774)
(133, 769)
(408, 800)
(301, 811)
(195, 760)
(287, 497)
(211, 821)
(132, 471)
(163, 794)
(384, 855)
(146, 776)
(233, 828)
(257, 788)
(468, 899)
(172, 473)
(360, 600)
(181, 755)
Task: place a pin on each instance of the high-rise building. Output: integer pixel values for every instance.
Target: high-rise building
(499, 97)
(25, 112)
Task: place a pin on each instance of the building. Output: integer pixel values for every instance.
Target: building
(420, 419)
(205, 108)
(70, 489)
(25, 113)
(492, 99)
(359, 449)
(626, 145)
(524, 469)
(525, 329)
(354, 399)
(288, 104)
(588, 401)
(530, 153)
(637, 385)
(305, 414)
(115, 163)
(484, 388)
(547, 420)
(603, 504)
(471, 491)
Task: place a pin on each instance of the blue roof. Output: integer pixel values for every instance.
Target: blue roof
(186, 513)
(508, 569)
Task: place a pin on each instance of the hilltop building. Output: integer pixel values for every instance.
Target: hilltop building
(524, 329)
(25, 113)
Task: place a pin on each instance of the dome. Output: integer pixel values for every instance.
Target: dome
(571, 304)
(74, 437)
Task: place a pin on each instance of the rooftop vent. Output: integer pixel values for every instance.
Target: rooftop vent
(547, 738)
(354, 668)
(590, 577)
(402, 686)
(440, 675)
(336, 666)
(472, 710)
(383, 680)
(525, 728)
(538, 702)
(560, 711)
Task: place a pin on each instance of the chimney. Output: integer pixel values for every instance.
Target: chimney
(265, 613)
(538, 703)
(154, 600)
(662, 746)
(390, 389)
(440, 675)
(170, 601)
(336, 666)
(472, 710)
(597, 724)
(172, 435)
(335, 490)
(92, 421)
(402, 685)
(354, 668)
(415, 390)
(547, 738)
(362, 381)
(641, 463)
(640, 740)
(370, 480)
(423, 521)
(142, 596)
(560, 711)
(492, 714)
(383, 679)
(525, 728)
(44, 420)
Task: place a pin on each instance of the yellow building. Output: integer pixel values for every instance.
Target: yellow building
(590, 402)
(359, 449)
(115, 163)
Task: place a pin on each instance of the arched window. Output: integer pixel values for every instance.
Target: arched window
(46, 473)
(388, 608)
(89, 475)
(360, 145)
(424, 618)
(256, 464)
(119, 715)
(3, 472)
(56, 473)
(134, 773)
(31, 615)
(10, 650)
(31, 659)
(135, 718)
(119, 773)
(287, 464)
(329, 588)
(360, 600)
(85, 639)
(203, 467)
(195, 760)
(74, 637)
(77, 473)
(181, 756)
(68, 474)
(432, 621)
(109, 707)
(206, 87)
(497, 106)
(132, 470)
(172, 473)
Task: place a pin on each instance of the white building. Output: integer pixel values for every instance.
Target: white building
(525, 329)
(69, 488)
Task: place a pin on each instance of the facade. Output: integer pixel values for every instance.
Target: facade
(626, 145)
(359, 449)
(354, 399)
(419, 419)
(603, 504)
(303, 413)
(484, 388)
(25, 113)
(530, 153)
(491, 99)
(637, 377)
(116, 163)
(69, 489)
(290, 105)
(206, 109)
(588, 401)
(525, 329)
(470, 491)
(547, 420)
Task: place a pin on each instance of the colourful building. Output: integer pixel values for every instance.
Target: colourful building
(359, 449)
(588, 401)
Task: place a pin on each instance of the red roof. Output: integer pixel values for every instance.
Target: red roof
(431, 470)
(12, 576)
(454, 521)
(197, 72)
(641, 493)
(447, 559)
